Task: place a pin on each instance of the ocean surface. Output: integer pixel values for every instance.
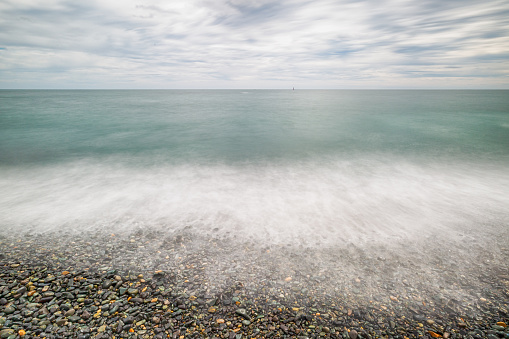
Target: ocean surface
(278, 166)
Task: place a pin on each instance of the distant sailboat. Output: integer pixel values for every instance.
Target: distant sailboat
(293, 89)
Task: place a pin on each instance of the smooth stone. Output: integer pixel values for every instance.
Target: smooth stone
(68, 295)
(65, 307)
(242, 312)
(70, 312)
(20, 290)
(120, 325)
(10, 309)
(6, 332)
(106, 284)
(114, 308)
(419, 317)
(61, 321)
(74, 318)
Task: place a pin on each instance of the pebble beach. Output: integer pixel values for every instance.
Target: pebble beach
(155, 285)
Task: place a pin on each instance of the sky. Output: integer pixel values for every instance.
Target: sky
(254, 44)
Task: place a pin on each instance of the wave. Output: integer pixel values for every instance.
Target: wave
(324, 201)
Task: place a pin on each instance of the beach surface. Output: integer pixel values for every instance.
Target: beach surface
(146, 284)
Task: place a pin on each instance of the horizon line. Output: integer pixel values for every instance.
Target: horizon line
(253, 89)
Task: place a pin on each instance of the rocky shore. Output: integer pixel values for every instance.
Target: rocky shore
(154, 285)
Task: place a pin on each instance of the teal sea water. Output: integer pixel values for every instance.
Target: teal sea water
(278, 165)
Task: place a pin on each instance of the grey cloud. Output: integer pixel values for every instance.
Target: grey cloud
(254, 43)
(249, 15)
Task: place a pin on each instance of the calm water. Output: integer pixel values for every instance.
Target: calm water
(279, 165)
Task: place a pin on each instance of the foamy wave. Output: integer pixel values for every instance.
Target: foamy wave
(309, 202)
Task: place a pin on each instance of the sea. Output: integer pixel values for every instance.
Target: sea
(314, 167)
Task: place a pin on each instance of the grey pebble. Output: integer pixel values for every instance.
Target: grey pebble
(242, 312)
(132, 291)
(10, 309)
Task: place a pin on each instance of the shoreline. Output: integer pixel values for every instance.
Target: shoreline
(153, 285)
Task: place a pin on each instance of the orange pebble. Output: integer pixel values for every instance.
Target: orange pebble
(434, 335)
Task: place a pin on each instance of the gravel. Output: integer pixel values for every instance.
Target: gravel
(151, 284)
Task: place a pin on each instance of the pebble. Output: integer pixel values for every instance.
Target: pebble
(70, 312)
(61, 321)
(9, 309)
(4, 333)
(109, 300)
(242, 312)
(74, 318)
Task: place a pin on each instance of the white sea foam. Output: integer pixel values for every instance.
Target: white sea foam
(312, 203)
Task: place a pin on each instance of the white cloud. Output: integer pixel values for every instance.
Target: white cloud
(241, 43)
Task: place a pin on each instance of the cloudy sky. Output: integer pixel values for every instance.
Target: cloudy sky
(254, 44)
